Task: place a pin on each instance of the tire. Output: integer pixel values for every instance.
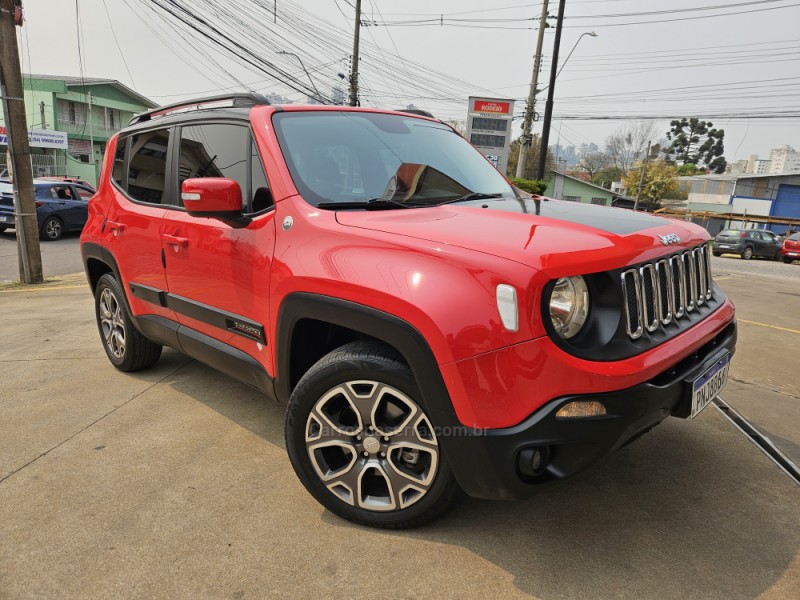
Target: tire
(788, 261)
(52, 229)
(126, 348)
(747, 253)
(717, 254)
(356, 432)
(3, 228)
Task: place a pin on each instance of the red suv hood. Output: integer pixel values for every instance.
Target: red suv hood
(564, 238)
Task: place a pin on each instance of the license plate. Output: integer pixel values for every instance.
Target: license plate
(706, 387)
(723, 246)
(791, 254)
(5, 219)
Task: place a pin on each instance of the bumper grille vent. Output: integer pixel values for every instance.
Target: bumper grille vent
(658, 293)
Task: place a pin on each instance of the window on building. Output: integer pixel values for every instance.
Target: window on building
(111, 119)
(71, 112)
(572, 198)
(148, 166)
(600, 201)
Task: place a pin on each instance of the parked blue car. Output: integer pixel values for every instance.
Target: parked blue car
(60, 207)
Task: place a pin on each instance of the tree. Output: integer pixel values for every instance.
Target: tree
(660, 180)
(697, 142)
(605, 177)
(688, 169)
(594, 162)
(627, 144)
(532, 159)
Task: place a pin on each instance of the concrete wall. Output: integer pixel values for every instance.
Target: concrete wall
(752, 206)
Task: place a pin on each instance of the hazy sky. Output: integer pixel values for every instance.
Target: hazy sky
(691, 62)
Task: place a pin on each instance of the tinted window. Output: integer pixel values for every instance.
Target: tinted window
(148, 166)
(119, 162)
(730, 232)
(215, 151)
(354, 157)
(259, 186)
(795, 237)
(62, 192)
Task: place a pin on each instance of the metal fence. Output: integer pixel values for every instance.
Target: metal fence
(44, 165)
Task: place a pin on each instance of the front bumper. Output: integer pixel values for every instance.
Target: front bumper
(486, 462)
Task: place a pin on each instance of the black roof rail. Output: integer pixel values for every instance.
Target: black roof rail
(240, 99)
(416, 111)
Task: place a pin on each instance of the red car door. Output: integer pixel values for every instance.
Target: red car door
(132, 227)
(217, 273)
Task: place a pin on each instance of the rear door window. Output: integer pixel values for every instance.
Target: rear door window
(148, 166)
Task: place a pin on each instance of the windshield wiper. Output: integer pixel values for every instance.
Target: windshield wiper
(470, 196)
(374, 204)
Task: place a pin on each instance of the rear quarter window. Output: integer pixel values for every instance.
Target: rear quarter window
(795, 237)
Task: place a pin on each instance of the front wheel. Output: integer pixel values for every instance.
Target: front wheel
(747, 253)
(126, 348)
(361, 442)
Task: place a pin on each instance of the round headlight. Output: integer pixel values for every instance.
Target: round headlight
(569, 306)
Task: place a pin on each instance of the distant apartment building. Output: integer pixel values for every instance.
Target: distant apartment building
(70, 119)
(784, 159)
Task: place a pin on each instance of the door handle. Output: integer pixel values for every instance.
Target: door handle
(116, 228)
(176, 242)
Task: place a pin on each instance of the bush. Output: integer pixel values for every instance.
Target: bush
(532, 186)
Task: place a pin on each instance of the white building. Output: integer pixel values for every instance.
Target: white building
(784, 159)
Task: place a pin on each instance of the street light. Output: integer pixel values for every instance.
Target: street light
(589, 33)
(300, 60)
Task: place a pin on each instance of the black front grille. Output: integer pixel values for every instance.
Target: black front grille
(664, 291)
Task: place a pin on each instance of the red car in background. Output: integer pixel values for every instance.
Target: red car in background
(791, 248)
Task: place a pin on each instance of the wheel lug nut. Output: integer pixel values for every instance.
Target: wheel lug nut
(358, 437)
(366, 454)
(383, 454)
(386, 438)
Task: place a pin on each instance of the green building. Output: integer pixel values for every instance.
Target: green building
(566, 187)
(85, 111)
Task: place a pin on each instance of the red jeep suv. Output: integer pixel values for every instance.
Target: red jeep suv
(429, 328)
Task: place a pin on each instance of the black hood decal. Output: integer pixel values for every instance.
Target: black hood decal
(613, 220)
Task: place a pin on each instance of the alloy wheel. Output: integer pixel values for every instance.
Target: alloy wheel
(372, 446)
(112, 323)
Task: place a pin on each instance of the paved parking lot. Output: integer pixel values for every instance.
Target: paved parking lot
(61, 257)
(173, 483)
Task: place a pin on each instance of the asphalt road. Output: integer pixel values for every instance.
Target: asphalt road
(61, 257)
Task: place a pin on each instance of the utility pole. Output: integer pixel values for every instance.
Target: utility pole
(41, 112)
(641, 177)
(548, 111)
(354, 66)
(26, 225)
(91, 137)
(527, 140)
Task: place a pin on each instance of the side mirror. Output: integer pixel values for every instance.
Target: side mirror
(212, 197)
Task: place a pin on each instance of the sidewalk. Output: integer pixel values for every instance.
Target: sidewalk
(173, 483)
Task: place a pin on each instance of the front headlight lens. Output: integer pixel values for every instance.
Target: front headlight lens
(569, 306)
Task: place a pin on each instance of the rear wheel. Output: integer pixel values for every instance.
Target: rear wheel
(787, 260)
(126, 348)
(717, 254)
(52, 229)
(747, 253)
(362, 444)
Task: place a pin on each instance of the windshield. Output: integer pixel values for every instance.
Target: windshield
(354, 157)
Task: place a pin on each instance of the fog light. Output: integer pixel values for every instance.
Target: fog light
(580, 409)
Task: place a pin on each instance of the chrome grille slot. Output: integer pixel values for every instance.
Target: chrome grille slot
(678, 287)
(699, 275)
(690, 283)
(666, 293)
(650, 308)
(632, 292)
(662, 292)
